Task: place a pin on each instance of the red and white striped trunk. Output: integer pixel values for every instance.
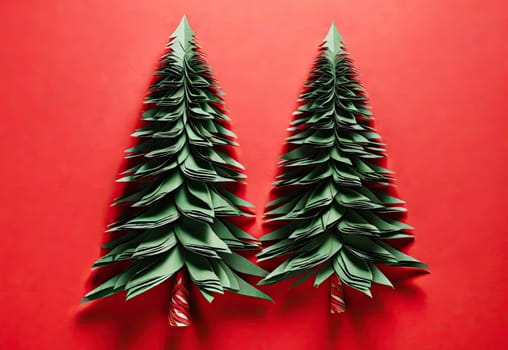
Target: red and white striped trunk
(179, 315)
(337, 303)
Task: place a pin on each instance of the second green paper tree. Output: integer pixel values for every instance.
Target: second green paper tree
(336, 217)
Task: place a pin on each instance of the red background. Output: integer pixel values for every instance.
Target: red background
(73, 77)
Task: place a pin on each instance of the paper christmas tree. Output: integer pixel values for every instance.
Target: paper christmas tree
(336, 217)
(177, 220)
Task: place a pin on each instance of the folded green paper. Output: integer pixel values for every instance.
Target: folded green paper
(175, 221)
(335, 217)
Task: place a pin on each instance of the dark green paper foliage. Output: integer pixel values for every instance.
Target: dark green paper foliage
(179, 214)
(335, 214)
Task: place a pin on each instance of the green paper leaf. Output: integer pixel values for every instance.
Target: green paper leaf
(248, 290)
(156, 273)
(201, 273)
(168, 185)
(379, 277)
(199, 238)
(323, 274)
(302, 279)
(151, 218)
(243, 265)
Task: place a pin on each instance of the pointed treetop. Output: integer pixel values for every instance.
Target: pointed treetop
(182, 37)
(333, 41)
(183, 30)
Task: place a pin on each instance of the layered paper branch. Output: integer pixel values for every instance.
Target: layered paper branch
(336, 217)
(177, 219)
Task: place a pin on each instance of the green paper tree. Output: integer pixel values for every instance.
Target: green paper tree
(177, 216)
(335, 216)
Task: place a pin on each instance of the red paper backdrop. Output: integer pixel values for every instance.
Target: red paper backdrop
(73, 78)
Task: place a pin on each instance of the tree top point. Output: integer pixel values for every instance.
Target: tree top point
(183, 30)
(182, 39)
(333, 40)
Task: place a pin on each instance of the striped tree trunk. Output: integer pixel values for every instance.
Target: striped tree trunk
(179, 315)
(337, 303)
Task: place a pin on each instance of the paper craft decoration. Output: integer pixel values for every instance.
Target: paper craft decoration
(177, 221)
(336, 217)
